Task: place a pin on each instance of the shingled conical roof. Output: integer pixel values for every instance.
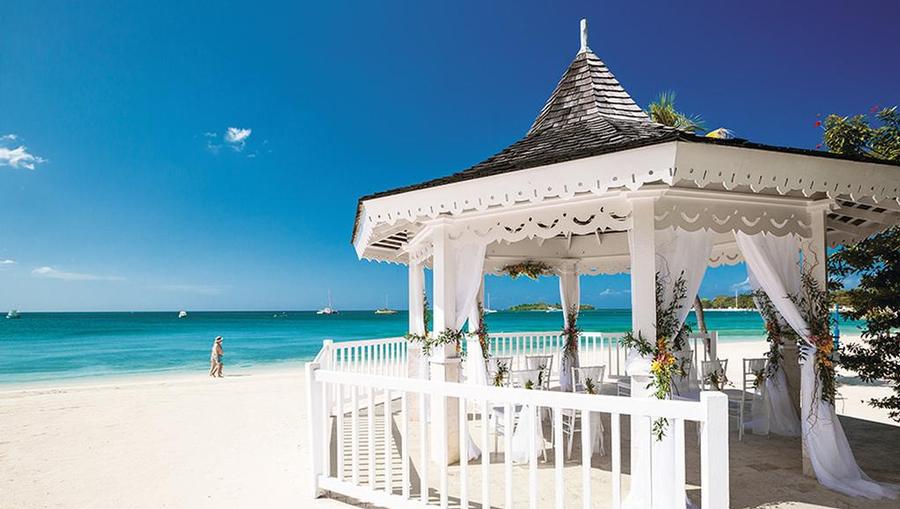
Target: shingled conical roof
(587, 91)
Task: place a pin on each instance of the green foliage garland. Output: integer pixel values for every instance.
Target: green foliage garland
(530, 269)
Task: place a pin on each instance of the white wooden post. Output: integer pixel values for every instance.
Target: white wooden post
(714, 450)
(642, 247)
(317, 447)
(815, 260)
(444, 360)
(415, 367)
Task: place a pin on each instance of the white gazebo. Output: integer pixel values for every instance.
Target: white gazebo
(595, 187)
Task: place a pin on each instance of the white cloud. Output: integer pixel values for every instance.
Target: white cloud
(236, 137)
(52, 273)
(17, 157)
(188, 288)
(743, 286)
(7, 262)
(609, 291)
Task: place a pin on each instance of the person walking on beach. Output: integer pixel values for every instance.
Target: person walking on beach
(215, 358)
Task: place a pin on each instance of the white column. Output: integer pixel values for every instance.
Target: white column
(415, 363)
(815, 258)
(445, 364)
(643, 320)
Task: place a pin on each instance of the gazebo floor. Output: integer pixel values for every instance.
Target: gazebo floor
(765, 471)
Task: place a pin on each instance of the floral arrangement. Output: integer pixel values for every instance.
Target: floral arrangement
(530, 269)
(482, 333)
(813, 303)
(664, 366)
(718, 380)
(529, 384)
(501, 374)
(589, 386)
(571, 333)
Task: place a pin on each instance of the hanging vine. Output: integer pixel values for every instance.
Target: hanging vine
(571, 333)
(776, 332)
(669, 338)
(482, 333)
(429, 342)
(813, 303)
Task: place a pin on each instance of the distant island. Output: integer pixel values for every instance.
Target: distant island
(543, 306)
(744, 301)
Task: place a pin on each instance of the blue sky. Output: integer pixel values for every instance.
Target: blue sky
(140, 199)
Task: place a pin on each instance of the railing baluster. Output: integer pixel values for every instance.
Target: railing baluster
(404, 444)
(354, 440)
(558, 460)
(445, 453)
(326, 430)
(507, 452)
(678, 430)
(615, 434)
(485, 456)
(533, 414)
(463, 454)
(370, 418)
(423, 448)
(388, 440)
(339, 389)
(586, 458)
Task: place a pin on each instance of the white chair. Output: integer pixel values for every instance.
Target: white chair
(544, 363)
(623, 386)
(712, 373)
(585, 380)
(498, 371)
(528, 379)
(754, 374)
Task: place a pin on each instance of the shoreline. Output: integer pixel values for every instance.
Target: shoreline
(190, 374)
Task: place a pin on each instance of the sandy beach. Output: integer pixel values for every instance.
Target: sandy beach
(190, 441)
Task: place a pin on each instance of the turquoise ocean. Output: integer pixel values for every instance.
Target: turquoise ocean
(41, 347)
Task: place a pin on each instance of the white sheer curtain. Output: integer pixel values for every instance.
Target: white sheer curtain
(678, 253)
(682, 253)
(570, 297)
(774, 262)
(469, 276)
(776, 409)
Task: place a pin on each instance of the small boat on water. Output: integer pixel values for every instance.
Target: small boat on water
(13, 314)
(327, 310)
(386, 310)
(487, 309)
(182, 314)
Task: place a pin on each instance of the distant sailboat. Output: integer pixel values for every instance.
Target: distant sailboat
(386, 310)
(13, 314)
(487, 309)
(327, 310)
(182, 314)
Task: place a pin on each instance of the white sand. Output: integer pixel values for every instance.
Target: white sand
(190, 441)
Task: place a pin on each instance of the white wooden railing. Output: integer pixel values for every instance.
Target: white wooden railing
(594, 348)
(361, 433)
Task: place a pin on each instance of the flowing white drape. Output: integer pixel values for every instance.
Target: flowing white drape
(678, 253)
(570, 298)
(469, 274)
(774, 263)
(685, 254)
(776, 414)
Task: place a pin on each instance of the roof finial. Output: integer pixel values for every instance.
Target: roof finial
(584, 35)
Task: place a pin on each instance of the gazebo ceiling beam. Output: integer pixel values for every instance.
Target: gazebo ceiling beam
(861, 231)
(888, 217)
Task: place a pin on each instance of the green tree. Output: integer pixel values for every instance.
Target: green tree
(663, 111)
(875, 262)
